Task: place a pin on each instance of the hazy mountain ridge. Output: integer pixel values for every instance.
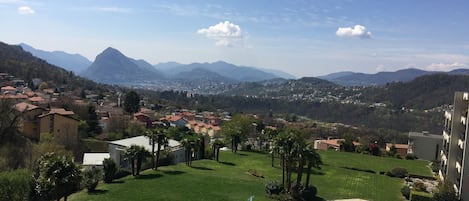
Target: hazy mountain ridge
(381, 78)
(72, 62)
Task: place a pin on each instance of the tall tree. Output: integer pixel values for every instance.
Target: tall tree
(93, 121)
(445, 192)
(236, 130)
(132, 102)
(159, 137)
(136, 154)
(55, 176)
(313, 160)
(216, 145)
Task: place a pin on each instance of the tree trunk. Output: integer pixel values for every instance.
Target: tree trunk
(139, 164)
(158, 156)
(218, 153)
(283, 171)
(153, 153)
(132, 166)
(232, 146)
(288, 163)
(300, 171)
(272, 158)
(308, 174)
(214, 151)
(65, 198)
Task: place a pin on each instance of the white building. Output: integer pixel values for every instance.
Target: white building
(94, 159)
(454, 155)
(117, 149)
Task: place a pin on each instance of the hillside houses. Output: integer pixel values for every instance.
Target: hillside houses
(36, 121)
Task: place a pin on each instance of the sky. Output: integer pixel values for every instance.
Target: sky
(303, 38)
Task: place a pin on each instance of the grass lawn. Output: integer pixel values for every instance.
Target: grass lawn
(229, 180)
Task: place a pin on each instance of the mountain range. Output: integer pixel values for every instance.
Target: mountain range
(72, 62)
(362, 79)
(112, 66)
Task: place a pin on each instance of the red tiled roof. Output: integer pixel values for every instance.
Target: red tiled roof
(24, 107)
(36, 99)
(8, 88)
(398, 146)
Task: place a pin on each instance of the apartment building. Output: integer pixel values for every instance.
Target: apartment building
(454, 155)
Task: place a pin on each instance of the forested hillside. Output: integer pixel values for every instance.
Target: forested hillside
(15, 61)
(424, 92)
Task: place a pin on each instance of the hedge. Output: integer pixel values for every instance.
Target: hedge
(420, 196)
(15, 185)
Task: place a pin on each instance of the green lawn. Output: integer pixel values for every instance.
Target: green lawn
(229, 180)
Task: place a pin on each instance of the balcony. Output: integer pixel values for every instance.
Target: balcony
(461, 144)
(465, 96)
(442, 175)
(458, 166)
(463, 120)
(445, 136)
(448, 115)
(444, 159)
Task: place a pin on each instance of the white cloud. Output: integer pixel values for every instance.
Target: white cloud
(25, 10)
(356, 31)
(445, 67)
(113, 9)
(224, 33)
(380, 68)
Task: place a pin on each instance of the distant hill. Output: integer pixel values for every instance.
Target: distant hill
(111, 66)
(167, 65)
(21, 64)
(424, 92)
(72, 62)
(277, 73)
(281, 87)
(333, 76)
(238, 73)
(381, 78)
(200, 74)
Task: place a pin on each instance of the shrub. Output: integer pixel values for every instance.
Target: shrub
(110, 170)
(15, 185)
(122, 173)
(405, 192)
(410, 157)
(419, 196)
(398, 172)
(91, 177)
(420, 186)
(435, 166)
(273, 188)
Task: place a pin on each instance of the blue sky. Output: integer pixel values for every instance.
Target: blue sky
(304, 38)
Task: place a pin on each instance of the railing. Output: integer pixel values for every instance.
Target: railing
(465, 96)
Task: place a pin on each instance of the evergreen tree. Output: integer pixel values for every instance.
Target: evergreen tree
(132, 102)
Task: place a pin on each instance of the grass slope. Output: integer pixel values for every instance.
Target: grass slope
(229, 180)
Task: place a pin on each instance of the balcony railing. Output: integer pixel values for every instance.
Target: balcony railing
(465, 96)
(461, 144)
(446, 136)
(463, 120)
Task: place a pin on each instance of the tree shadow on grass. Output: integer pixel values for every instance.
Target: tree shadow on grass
(173, 172)
(227, 163)
(201, 168)
(117, 182)
(97, 192)
(241, 154)
(148, 176)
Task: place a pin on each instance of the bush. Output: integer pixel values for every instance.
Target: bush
(410, 157)
(398, 172)
(435, 166)
(91, 177)
(110, 170)
(420, 186)
(419, 196)
(15, 185)
(122, 173)
(273, 188)
(405, 192)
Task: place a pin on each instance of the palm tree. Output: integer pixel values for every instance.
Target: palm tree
(131, 154)
(135, 154)
(152, 134)
(271, 135)
(313, 160)
(216, 145)
(186, 143)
